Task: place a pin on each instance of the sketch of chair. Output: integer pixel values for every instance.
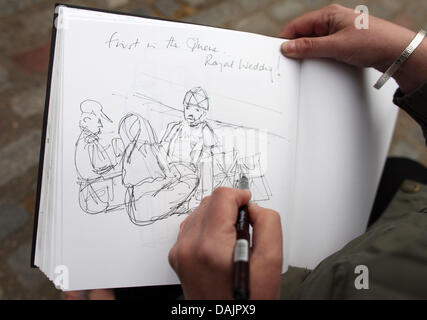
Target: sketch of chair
(258, 184)
(229, 166)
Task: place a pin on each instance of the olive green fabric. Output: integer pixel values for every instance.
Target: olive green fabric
(290, 282)
(394, 249)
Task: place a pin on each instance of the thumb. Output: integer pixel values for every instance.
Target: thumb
(318, 47)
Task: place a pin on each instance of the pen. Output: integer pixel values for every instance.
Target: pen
(241, 249)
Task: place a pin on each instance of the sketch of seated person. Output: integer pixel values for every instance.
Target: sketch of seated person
(156, 189)
(191, 141)
(93, 164)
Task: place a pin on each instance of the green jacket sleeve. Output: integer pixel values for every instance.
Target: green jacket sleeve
(415, 104)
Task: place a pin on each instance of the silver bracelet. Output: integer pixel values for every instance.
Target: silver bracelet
(403, 57)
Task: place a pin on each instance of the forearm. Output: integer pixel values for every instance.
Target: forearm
(413, 73)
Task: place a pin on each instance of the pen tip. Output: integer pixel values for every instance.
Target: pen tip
(243, 182)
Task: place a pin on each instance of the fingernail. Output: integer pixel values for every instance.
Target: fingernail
(288, 48)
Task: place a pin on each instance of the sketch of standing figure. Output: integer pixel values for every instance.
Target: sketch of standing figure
(156, 189)
(191, 141)
(92, 161)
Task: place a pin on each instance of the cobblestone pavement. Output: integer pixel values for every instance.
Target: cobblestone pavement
(25, 27)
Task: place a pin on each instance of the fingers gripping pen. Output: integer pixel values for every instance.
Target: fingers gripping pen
(241, 249)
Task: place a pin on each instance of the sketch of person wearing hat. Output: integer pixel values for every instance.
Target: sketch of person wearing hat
(192, 140)
(92, 160)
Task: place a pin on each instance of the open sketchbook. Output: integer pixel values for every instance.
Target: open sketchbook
(145, 117)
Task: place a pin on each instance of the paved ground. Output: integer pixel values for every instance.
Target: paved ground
(25, 27)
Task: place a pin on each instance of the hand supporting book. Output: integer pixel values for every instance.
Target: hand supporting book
(331, 33)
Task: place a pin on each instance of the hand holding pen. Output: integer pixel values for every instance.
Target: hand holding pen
(203, 254)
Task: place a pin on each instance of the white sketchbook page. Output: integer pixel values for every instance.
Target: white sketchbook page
(345, 128)
(109, 248)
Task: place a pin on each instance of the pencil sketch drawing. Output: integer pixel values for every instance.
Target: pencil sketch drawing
(151, 178)
(92, 161)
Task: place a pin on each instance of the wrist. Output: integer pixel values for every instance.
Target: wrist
(413, 73)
